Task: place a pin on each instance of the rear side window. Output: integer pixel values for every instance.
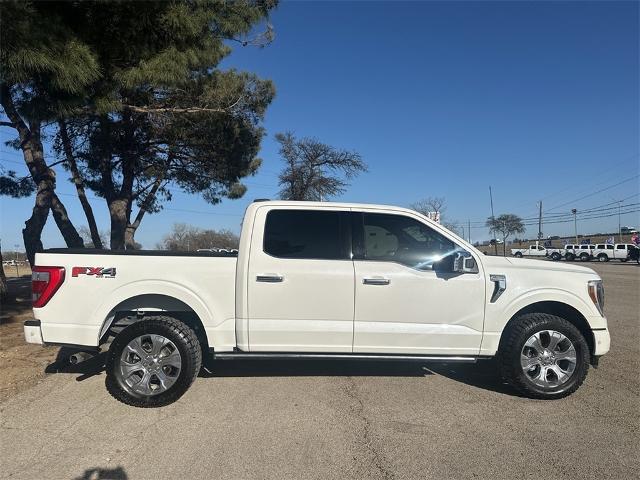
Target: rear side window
(307, 234)
(404, 240)
(621, 247)
(609, 247)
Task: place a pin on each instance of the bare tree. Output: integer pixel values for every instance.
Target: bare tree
(184, 237)
(314, 170)
(506, 224)
(88, 235)
(430, 204)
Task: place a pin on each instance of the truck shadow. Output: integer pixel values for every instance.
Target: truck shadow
(483, 375)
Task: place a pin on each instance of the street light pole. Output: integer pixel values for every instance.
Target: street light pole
(575, 222)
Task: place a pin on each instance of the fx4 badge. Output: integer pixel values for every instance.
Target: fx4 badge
(98, 272)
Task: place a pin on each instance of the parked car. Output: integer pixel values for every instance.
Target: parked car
(320, 280)
(604, 252)
(621, 251)
(583, 252)
(531, 251)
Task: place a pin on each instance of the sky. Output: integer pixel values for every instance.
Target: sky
(538, 100)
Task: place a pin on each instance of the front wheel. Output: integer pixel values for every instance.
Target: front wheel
(544, 356)
(603, 257)
(584, 257)
(153, 362)
(555, 256)
(518, 255)
(570, 257)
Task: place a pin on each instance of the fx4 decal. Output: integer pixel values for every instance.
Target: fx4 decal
(98, 272)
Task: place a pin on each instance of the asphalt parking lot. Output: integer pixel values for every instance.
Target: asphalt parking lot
(276, 419)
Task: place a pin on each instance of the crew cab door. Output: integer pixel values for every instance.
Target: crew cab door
(403, 305)
(300, 281)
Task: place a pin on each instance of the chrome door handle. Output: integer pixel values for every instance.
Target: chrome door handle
(268, 278)
(376, 281)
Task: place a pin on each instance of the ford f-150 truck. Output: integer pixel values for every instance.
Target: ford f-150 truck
(320, 280)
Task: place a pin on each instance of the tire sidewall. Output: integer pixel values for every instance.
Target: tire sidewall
(150, 327)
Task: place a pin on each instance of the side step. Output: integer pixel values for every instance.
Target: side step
(342, 356)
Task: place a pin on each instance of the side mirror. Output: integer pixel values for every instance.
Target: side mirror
(463, 262)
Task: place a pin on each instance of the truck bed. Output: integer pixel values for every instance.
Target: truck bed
(98, 282)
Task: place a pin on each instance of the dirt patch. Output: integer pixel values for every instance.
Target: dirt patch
(22, 365)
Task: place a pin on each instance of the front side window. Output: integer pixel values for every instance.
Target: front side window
(306, 234)
(621, 247)
(400, 239)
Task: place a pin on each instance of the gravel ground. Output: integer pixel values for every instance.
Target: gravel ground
(323, 420)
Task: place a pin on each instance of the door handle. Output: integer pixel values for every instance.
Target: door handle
(376, 281)
(269, 278)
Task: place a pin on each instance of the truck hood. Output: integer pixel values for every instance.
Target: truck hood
(492, 263)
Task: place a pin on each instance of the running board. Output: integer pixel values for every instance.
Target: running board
(343, 356)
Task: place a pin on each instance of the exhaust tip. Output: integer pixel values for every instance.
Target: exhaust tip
(79, 357)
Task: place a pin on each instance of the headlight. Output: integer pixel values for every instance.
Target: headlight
(596, 292)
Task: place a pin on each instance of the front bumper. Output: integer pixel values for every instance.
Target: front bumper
(601, 341)
(32, 332)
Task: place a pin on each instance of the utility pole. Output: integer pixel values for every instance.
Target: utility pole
(619, 227)
(17, 268)
(495, 244)
(575, 222)
(469, 230)
(540, 222)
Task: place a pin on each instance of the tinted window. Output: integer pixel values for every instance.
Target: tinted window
(306, 234)
(620, 247)
(400, 239)
(609, 247)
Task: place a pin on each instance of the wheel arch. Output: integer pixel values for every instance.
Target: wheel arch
(135, 308)
(559, 309)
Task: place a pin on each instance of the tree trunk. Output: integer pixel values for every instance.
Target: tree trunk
(71, 236)
(32, 232)
(3, 281)
(130, 232)
(44, 178)
(118, 212)
(79, 183)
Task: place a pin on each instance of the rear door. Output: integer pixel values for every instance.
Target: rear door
(301, 281)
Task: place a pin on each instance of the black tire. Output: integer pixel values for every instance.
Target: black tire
(518, 255)
(570, 257)
(603, 257)
(185, 341)
(555, 256)
(512, 344)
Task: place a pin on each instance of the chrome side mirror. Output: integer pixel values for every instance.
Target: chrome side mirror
(463, 262)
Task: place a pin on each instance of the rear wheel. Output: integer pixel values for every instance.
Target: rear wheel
(555, 256)
(153, 362)
(518, 255)
(544, 356)
(584, 257)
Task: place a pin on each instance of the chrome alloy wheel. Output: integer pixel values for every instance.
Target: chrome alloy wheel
(150, 364)
(548, 358)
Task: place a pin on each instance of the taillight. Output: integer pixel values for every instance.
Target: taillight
(45, 281)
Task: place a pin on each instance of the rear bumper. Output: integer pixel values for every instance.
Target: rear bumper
(601, 341)
(33, 332)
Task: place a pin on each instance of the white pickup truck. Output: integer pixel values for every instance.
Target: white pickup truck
(606, 251)
(320, 280)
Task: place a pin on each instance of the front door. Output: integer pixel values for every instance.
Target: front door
(300, 282)
(405, 306)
